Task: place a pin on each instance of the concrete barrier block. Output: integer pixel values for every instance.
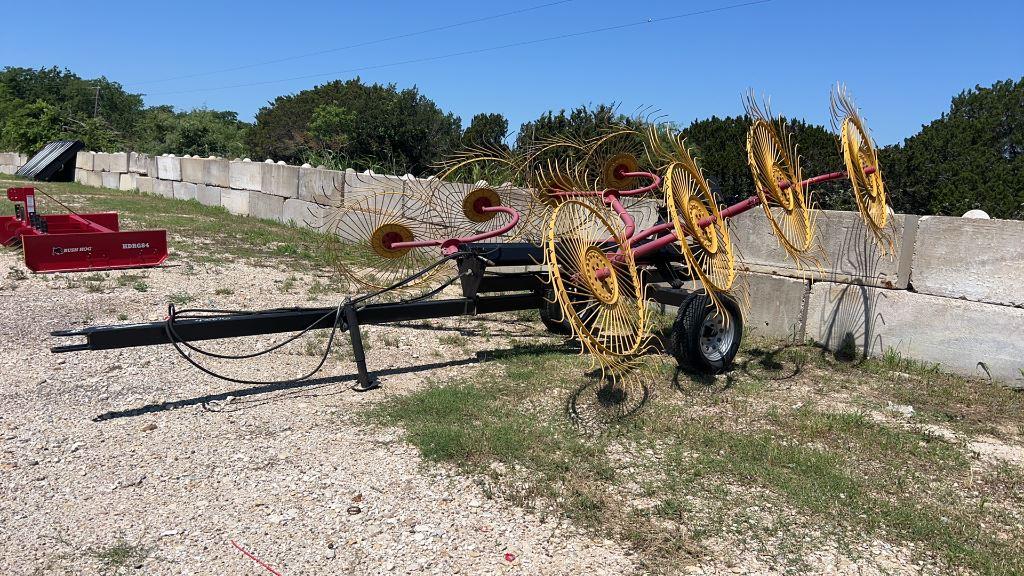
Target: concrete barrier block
(117, 162)
(267, 206)
(184, 190)
(85, 160)
(235, 201)
(22, 160)
(93, 178)
(168, 167)
(101, 162)
(217, 172)
(643, 211)
(192, 170)
(972, 259)
(8, 168)
(361, 185)
(80, 175)
(280, 180)
(302, 213)
(209, 195)
(127, 181)
(138, 163)
(144, 184)
(164, 188)
(850, 252)
(150, 165)
(323, 186)
(246, 175)
(869, 321)
(777, 305)
(7, 158)
(110, 180)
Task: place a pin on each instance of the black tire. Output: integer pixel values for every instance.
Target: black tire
(551, 315)
(700, 340)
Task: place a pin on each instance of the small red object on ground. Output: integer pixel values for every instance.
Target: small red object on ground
(510, 557)
(253, 557)
(75, 242)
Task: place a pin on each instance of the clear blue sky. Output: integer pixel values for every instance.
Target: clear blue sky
(902, 61)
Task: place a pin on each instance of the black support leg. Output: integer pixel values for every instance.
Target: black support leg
(364, 381)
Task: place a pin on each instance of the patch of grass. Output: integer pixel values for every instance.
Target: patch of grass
(94, 277)
(136, 281)
(122, 317)
(235, 237)
(456, 340)
(968, 405)
(223, 291)
(120, 555)
(472, 426)
(180, 298)
(288, 284)
(390, 340)
(129, 279)
(95, 286)
(734, 461)
(526, 315)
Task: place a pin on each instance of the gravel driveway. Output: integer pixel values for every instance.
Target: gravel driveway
(125, 446)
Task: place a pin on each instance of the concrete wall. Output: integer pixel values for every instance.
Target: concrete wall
(950, 290)
(979, 260)
(971, 338)
(10, 162)
(848, 252)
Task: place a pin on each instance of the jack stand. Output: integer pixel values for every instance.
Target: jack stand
(364, 381)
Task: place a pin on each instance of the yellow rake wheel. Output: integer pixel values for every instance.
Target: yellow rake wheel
(596, 284)
(859, 154)
(362, 234)
(620, 149)
(773, 162)
(457, 208)
(689, 201)
(500, 164)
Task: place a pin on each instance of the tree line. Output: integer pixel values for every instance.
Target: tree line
(970, 157)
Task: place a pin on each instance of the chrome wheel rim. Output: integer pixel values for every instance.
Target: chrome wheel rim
(717, 334)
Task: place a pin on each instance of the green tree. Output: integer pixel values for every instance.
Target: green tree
(971, 157)
(376, 126)
(720, 145)
(582, 123)
(486, 130)
(207, 133)
(37, 106)
(73, 96)
(32, 126)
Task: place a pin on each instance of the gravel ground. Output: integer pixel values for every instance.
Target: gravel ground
(278, 470)
(137, 446)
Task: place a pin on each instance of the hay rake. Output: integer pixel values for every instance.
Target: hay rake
(577, 213)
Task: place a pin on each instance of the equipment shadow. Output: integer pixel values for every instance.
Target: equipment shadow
(314, 383)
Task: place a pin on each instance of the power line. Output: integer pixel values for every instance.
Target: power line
(474, 51)
(358, 45)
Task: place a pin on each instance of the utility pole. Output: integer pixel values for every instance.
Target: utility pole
(96, 102)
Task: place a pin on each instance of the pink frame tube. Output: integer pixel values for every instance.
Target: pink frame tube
(451, 245)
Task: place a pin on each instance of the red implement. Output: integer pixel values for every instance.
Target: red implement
(74, 242)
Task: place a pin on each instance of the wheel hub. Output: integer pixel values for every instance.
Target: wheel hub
(706, 236)
(606, 288)
(474, 203)
(716, 337)
(386, 235)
